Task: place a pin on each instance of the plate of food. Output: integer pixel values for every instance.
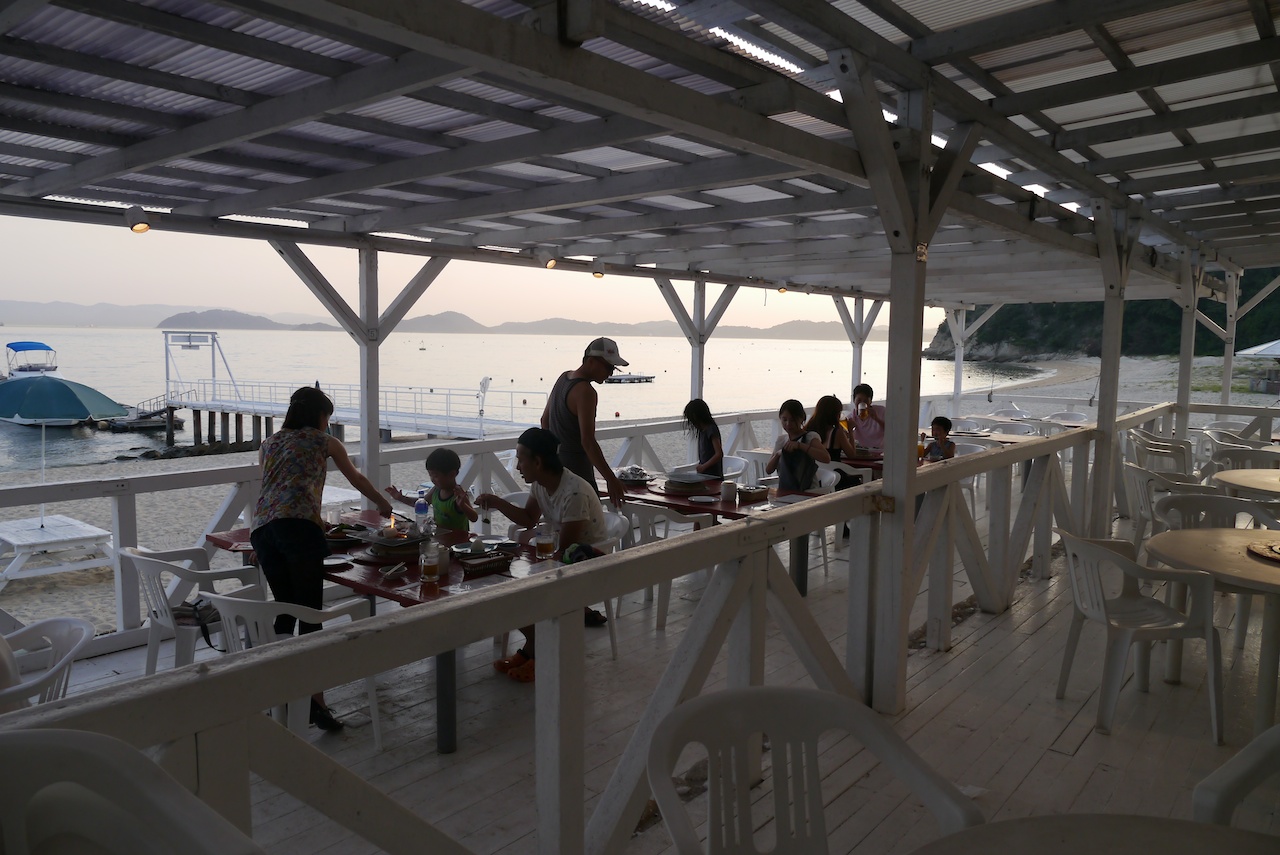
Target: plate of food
(633, 475)
(337, 561)
(475, 547)
(1269, 549)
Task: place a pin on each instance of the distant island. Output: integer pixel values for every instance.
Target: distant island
(455, 322)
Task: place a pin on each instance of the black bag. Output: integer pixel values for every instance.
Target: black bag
(199, 612)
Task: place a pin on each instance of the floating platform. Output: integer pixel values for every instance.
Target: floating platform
(143, 424)
(630, 378)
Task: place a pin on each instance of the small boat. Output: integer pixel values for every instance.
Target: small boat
(31, 359)
(630, 378)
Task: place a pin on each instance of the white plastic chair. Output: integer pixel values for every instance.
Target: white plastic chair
(1014, 428)
(647, 519)
(60, 640)
(243, 613)
(1234, 457)
(1216, 797)
(1009, 413)
(794, 720)
(733, 467)
(617, 528)
(1215, 510)
(1143, 488)
(160, 600)
(81, 792)
(1068, 417)
(1132, 617)
(964, 424)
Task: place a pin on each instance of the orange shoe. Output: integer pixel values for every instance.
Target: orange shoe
(504, 666)
(522, 673)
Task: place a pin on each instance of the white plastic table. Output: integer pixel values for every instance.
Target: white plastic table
(85, 546)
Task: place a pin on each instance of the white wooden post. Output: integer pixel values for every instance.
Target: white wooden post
(124, 529)
(698, 347)
(1229, 342)
(559, 745)
(1189, 280)
(857, 327)
(370, 423)
(960, 335)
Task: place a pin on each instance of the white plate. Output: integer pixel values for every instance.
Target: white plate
(704, 500)
(337, 561)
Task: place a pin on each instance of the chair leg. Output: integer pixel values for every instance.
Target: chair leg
(153, 646)
(1142, 666)
(375, 715)
(664, 604)
(1112, 680)
(1069, 654)
(613, 632)
(1214, 655)
(1244, 602)
(500, 644)
(826, 560)
(184, 647)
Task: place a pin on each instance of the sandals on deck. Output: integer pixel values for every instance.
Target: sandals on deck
(592, 617)
(523, 673)
(515, 660)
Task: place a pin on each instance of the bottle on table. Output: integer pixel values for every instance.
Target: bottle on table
(921, 446)
(422, 516)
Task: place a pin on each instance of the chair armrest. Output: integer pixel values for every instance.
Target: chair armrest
(1215, 798)
(247, 575)
(1191, 578)
(195, 554)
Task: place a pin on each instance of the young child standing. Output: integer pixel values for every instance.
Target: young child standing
(450, 504)
(941, 448)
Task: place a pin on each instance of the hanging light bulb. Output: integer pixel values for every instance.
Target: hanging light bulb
(137, 221)
(545, 258)
(597, 269)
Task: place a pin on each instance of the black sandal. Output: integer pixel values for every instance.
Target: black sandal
(592, 617)
(322, 717)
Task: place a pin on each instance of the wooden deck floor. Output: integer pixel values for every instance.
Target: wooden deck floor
(984, 714)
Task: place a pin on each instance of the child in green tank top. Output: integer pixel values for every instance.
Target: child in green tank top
(450, 504)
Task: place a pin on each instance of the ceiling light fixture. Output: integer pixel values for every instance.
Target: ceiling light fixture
(597, 269)
(545, 258)
(137, 221)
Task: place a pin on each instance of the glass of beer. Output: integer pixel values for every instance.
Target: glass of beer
(544, 541)
(429, 561)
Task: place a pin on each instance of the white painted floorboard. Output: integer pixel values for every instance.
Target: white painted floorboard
(983, 713)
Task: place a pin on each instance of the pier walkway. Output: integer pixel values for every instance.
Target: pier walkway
(435, 411)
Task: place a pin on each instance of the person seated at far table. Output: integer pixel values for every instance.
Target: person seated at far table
(866, 422)
(797, 452)
(825, 422)
(699, 422)
(450, 505)
(565, 501)
(942, 448)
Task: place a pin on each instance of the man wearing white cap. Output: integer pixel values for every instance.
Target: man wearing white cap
(570, 414)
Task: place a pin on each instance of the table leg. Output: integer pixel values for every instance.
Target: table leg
(1268, 659)
(1173, 647)
(447, 702)
(800, 563)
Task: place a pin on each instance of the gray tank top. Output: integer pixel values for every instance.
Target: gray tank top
(564, 424)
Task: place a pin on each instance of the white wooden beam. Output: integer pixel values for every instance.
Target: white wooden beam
(410, 295)
(370, 373)
(320, 287)
(1229, 340)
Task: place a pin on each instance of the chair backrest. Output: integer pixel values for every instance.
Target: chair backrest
(1069, 417)
(1212, 511)
(1161, 454)
(1235, 457)
(964, 424)
(970, 448)
(647, 518)
(86, 792)
(824, 481)
(1084, 560)
(1017, 428)
(617, 527)
(246, 617)
(733, 467)
(63, 638)
(1228, 424)
(150, 579)
(1009, 413)
(794, 720)
(1219, 438)
(982, 422)
(1141, 486)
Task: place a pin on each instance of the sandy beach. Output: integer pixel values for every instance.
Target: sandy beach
(177, 518)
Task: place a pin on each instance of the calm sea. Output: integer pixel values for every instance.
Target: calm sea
(129, 366)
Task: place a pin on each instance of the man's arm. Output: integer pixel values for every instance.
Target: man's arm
(583, 401)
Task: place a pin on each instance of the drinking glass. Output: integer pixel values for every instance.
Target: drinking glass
(429, 561)
(474, 494)
(545, 541)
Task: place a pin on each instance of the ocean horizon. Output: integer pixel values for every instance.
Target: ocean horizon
(129, 365)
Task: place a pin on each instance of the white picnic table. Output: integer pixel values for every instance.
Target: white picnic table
(68, 543)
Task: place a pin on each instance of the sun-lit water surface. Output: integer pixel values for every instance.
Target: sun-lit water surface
(129, 366)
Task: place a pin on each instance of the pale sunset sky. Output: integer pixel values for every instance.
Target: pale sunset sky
(49, 261)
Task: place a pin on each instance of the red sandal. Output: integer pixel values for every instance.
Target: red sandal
(504, 666)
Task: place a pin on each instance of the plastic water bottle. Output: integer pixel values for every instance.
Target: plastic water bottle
(422, 513)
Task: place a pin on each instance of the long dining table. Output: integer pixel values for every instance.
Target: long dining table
(361, 573)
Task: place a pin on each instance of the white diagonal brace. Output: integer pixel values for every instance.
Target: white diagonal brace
(1258, 298)
(678, 310)
(717, 311)
(946, 176)
(364, 86)
(318, 285)
(866, 119)
(406, 299)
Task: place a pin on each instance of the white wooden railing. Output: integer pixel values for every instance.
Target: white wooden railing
(204, 725)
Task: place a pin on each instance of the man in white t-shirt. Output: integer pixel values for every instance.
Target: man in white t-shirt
(560, 497)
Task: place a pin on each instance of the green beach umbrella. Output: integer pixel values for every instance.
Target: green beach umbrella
(43, 399)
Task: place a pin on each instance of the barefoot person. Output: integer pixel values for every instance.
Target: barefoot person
(565, 501)
(288, 536)
(570, 414)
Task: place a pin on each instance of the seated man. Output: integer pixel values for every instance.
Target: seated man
(566, 502)
(866, 422)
